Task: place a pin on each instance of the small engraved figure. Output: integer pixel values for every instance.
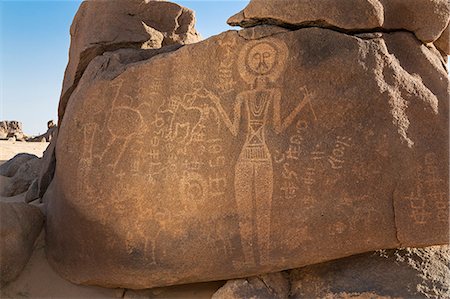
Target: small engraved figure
(260, 65)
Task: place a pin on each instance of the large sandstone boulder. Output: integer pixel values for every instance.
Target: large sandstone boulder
(20, 225)
(426, 18)
(101, 26)
(266, 150)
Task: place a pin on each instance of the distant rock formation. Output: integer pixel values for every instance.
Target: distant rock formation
(46, 137)
(12, 130)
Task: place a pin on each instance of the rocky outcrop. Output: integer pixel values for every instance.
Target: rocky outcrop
(101, 26)
(11, 129)
(268, 149)
(20, 225)
(403, 273)
(427, 19)
(47, 136)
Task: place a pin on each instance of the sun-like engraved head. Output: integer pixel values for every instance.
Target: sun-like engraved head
(265, 58)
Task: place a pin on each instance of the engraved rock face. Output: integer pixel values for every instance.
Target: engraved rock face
(252, 152)
(101, 26)
(425, 18)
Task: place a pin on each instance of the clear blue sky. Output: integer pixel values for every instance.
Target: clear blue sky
(34, 45)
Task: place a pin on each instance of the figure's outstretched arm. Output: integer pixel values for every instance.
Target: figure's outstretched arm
(281, 125)
(233, 126)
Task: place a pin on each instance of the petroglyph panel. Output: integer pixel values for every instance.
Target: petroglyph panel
(234, 157)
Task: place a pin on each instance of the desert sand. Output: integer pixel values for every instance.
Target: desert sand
(9, 149)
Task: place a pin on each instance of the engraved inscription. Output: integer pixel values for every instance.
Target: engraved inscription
(261, 64)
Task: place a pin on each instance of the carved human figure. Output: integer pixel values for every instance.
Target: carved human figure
(260, 64)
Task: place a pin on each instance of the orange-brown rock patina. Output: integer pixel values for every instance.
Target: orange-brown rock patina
(253, 152)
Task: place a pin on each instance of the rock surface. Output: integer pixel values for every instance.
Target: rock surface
(425, 18)
(11, 129)
(405, 273)
(20, 225)
(23, 178)
(48, 165)
(268, 286)
(10, 167)
(266, 150)
(443, 43)
(101, 26)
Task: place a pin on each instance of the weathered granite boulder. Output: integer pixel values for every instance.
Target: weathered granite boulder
(101, 26)
(23, 178)
(266, 150)
(404, 273)
(20, 225)
(426, 18)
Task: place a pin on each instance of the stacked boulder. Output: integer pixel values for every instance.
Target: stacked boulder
(317, 132)
(307, 136)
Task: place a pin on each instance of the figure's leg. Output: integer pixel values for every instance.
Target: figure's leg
(263, 194)
(243, 186)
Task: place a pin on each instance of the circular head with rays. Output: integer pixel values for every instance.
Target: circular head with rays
(262, 58)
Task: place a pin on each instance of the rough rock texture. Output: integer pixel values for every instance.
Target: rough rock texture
(267, 286)
(261, 153)
(33, 191)
(20, 225)
(10, 167)
(11, 129)
(23, 178)
(406, 273)
(101, 26)
(48, 165)
(443, 43)
(425, 18)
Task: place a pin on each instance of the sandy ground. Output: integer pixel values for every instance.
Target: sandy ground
(39, 280)
(9, 149)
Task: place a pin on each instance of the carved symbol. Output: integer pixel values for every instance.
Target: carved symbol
(260, 64)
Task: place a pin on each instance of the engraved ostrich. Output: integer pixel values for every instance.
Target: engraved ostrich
(260, 63)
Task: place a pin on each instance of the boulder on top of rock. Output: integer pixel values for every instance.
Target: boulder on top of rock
(426, 18)
(20, 225)
(10, 167)
(23, 178)
(101, 26)
(267, 149)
